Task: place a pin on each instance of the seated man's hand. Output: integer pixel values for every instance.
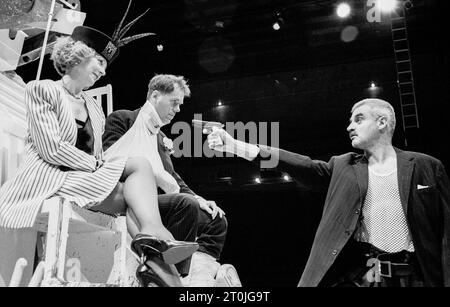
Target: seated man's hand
(210, 207)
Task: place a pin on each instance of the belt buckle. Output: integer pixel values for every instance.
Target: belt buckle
(384, 266)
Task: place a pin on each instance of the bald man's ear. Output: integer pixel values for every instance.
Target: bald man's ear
(383, 122)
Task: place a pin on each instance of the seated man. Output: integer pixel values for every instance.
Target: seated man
(164, 99)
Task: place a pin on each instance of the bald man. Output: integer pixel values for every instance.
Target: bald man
(386, 217)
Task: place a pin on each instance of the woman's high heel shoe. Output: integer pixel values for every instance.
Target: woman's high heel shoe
(169, 251)
(148, 278)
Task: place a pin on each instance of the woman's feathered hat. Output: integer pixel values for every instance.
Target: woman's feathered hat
(106, 46)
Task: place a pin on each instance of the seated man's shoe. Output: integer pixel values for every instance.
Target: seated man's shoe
(227, 276)
(169, 251)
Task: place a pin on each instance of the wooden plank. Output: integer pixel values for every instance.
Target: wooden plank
(54, 208)
(91, 217)
(61, 283)
(63, 236)
(84, 247)
(119, 273)
(15, 244)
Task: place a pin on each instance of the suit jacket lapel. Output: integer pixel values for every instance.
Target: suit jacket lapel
(134, 117)
(405, 167)
(362, 177)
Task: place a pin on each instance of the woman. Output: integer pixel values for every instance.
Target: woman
(65, 158)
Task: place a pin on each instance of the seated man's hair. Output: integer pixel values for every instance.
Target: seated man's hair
(166, 84)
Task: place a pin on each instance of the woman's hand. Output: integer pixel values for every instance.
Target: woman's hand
(99, 163)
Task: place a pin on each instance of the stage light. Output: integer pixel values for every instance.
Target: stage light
(276, 26)
(278, 22)
(219, 24)
(219, 103)
(343, 10)
(407, 4)
(349, 34)
(374, 90)
(387, 5)
(258, 180)
(286, 178)
(160, 47)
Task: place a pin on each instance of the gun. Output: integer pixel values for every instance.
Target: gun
(206, 126)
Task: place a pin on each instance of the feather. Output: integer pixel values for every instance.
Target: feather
(115, 35)
(129, 39)
(128, 26)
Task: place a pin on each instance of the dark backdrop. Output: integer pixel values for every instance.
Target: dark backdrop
(303, 77)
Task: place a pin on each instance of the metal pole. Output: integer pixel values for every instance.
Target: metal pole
(44, 45)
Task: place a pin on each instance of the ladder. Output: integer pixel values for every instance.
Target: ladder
(405, 79)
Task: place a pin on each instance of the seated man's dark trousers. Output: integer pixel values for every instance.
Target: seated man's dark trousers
(364, 265)
(182, 216)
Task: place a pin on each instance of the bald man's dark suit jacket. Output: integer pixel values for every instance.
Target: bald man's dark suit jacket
(120, 123)
(425, 194)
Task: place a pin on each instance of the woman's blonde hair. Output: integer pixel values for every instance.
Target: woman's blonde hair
(68, 53)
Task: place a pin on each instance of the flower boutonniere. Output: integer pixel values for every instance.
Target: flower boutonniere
(168, 145)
